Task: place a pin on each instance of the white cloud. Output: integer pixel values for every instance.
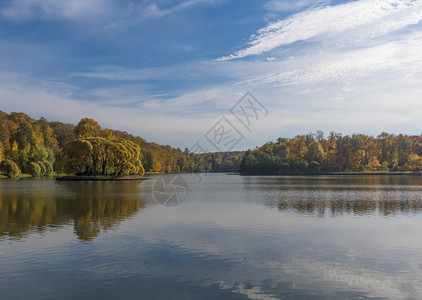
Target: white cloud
(370, 88)
(22, 10)
(393, 59)
(374, 283)
(189, 70)
(178, 121)
(291, 5)
(359, 20)
(153, 10)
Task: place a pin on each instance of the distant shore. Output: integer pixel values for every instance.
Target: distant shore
(100, 178)
(381, 173)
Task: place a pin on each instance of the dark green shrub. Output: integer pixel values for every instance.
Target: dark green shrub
(34, 169)
(285, 168)
(314, 167)
(42, 168)
(48, 168)
(9, 168)
(302, 166)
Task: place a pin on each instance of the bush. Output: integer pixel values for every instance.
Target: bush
(48, 168)
(34, 169)
(384, 166)
(314, 167)
(9, 168)
(302, 166)
(42, 168)
(285, 168)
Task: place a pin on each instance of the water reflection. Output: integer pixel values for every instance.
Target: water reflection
(234, 238)
(92, 207)
(359, 207)
(337, 195)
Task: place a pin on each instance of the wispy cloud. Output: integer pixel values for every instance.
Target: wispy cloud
(22, 10)
(397, 58)
(190, 70)
(291, 5)
(185, 47)
(356, 62)
(154, 10)
(362, 20)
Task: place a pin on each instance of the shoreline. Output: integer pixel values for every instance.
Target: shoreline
(100, 178)
(340, 173)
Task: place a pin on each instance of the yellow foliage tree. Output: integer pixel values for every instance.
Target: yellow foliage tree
(87, 128)
(414, 162)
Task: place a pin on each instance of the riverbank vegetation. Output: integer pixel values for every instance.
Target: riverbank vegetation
(39, 148)
(316, 154)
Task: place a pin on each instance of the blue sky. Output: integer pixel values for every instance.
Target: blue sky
(169, 70)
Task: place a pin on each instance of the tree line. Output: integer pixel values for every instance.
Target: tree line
(39, 148)
(314, 153)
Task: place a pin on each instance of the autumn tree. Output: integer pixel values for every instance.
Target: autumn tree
(76, 158)
(297, 149)
(336, 153)
(99, 156)
(87, 128)
(64, 133)
(388, 148)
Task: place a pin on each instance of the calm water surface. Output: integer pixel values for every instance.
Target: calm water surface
(232, 238)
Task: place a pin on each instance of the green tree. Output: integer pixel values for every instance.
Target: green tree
(314, 167)
(302, 166)
(43, 153)
(94, 156)
(76, 158)
(9, 168)
(24, 135)
(249, 164)
(49, 169)
(34, 169)
(285, 168)
(148, 161)
(43, 169)
(315, 153)
(388, 147)
(404, 148)
(384, 166)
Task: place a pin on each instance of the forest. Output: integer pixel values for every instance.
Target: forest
(315, 153)
(41, 148)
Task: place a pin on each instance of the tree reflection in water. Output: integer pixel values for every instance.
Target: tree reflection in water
(92, 207)
(336, 195)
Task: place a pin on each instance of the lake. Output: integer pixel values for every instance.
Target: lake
(214, 236)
